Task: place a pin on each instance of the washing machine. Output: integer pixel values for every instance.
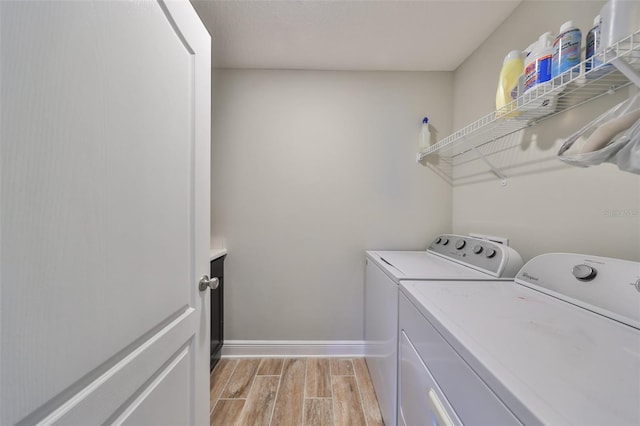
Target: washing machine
(558, 345)
(448, 257)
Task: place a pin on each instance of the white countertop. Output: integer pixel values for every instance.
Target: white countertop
(216, 253)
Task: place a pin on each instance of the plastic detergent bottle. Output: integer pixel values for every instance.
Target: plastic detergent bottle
(593, 45)
(538, 71)
(530, 74)
(566, 50)
(544, 56)
(512, 69)
(425, 135)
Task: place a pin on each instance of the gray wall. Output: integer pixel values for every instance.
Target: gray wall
(546, 206)
(309, 169)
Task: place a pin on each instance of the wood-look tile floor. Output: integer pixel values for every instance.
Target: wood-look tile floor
(293, 391)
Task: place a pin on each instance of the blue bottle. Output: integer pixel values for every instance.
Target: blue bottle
(566, 50)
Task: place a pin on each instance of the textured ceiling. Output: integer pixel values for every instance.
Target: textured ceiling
(349, 35)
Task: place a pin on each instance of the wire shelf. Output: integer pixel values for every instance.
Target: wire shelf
(617, 68)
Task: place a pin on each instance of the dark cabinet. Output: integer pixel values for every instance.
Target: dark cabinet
(217, 311)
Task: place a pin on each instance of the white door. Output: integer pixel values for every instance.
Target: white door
(104, 212)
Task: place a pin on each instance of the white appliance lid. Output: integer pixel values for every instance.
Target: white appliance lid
(415, 265)
(566, 365)
(610, 287)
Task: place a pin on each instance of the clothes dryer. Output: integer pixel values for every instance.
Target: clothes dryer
(448, 257)
(558, 345)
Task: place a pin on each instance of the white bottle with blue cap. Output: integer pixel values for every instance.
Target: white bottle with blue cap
(425, 135)
(567, 50)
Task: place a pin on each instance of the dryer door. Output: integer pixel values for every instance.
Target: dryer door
(420, 399)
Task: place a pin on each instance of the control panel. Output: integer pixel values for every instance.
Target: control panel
(488, 256)
(607, 286)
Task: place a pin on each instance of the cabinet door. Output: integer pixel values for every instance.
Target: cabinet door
(217, 311)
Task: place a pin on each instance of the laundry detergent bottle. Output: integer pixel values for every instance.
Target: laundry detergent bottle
(544, 57)
(537, 67)
(512, 70)
(538, 71)
(566, 50)
(592, 56)
(530, 72)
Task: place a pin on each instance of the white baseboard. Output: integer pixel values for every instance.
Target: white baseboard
(292, 348)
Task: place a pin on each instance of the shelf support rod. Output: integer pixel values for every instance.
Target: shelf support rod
(498, 173)
(627, 70)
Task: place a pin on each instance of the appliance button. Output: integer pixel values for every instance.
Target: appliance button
(490, 253)
(460, 244)
(477, 249)
(637, 284)
(584, 272)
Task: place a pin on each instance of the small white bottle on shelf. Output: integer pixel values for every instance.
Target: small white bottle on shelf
(425, 135)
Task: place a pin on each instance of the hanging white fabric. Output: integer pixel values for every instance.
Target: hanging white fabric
(613, 137)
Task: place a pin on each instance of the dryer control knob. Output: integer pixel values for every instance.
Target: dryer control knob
(477, 249)
(438, 240)
(584, 272)
(460, 244)
(490, 253)
(445, 241)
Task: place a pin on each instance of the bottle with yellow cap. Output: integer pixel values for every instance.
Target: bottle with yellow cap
(512, 70)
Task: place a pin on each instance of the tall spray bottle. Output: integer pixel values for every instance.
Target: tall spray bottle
(425, 135)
